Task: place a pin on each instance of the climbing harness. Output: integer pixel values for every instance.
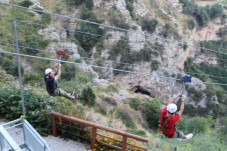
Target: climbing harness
(164, 125)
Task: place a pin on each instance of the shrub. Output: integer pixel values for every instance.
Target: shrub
(202, 17)
(167, 31)
(110, 100)
(129, 6)
(9, 65)
(89, 4)
(4, 77)
(198, 124)
(100, 109)
(26, 3)
(68, 72)
(149, 25)
(45, 18)
(191, 23)
(112, 88)
(117, 19)
(37, 107)
(223, 129)
(126, 119)
(75, 2)
(135, 103)
(88, 41)
(88, 97)
(151, 111)
(202, 14)
(120, 48)
(185, 46)
(33, 79)
(155, 64)
(215, 11)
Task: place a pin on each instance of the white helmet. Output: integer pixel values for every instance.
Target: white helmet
(172, 108)
(47, 71)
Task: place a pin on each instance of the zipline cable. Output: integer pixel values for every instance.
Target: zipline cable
(95, 66)
(193, 73)
(82, 32)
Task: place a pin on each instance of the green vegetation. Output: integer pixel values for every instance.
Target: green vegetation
(123, 114)
(117, 19)
(88, 96)
(4, 77)
(149, 25)
(202, 14)
(88, 3)
(26, 3)
(169, 30)
(37, 107)
(9, 64)
(191, 23)
(129, 6)
(94, 33)
(150, 111)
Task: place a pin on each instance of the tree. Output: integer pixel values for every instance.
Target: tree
(215, 11)
(93, 32)
(26, 3)
(88, 96)
(149, 25)
(150, 111)
(202, 17)
(191, 23)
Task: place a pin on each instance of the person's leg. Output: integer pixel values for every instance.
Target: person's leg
(65, 94)
(179, 134)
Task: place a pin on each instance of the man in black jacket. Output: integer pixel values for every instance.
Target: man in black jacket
(51, 83)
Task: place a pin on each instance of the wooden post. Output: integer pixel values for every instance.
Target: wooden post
(124, 141)
(54, 130)
(93, 138)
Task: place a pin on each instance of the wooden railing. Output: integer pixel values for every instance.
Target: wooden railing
(94, 132)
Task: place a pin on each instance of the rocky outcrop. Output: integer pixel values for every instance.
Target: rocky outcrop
(53, 33)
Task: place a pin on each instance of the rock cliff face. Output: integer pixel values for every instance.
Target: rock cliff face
(172, 55)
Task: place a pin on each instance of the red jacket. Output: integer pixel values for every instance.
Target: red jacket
(167, 124)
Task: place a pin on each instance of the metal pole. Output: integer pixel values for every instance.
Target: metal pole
(19, 66)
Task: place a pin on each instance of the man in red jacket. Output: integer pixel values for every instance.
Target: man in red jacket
(169, 117)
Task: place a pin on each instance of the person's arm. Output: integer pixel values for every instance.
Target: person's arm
(182, 105)
(59, 72)
(56, 68)
(174, 99)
